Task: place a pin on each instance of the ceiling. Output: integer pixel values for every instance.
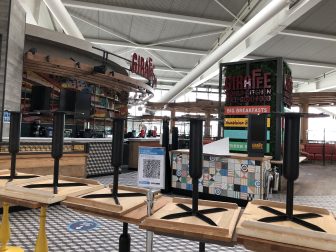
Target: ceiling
(178, 34)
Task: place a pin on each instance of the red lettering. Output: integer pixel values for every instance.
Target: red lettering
(267, 80)
(142, 67)
(256, 73)
(146, 70)
(134, 63)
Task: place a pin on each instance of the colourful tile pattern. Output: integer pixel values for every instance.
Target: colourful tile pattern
(235, 178)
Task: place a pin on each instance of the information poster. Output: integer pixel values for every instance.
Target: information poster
(151, 167)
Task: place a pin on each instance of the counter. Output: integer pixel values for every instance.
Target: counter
(234, 176)
(83, 157)
(133, 147)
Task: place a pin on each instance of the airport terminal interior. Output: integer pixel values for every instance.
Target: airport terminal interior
(168, 125)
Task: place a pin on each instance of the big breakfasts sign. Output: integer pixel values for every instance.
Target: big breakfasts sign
(144, 68)
(253, 88)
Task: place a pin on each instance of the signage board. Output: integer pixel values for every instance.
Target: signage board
(151, 167)
(144, 68)
(240, 122)
(240, 134)
(245, 110)
(6, 117)
(242, 146)
(256, 141)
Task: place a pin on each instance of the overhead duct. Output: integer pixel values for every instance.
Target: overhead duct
(244, 32)
(63, 17)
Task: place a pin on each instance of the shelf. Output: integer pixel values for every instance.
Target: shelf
(102, 107)
(108, 97)
(101, 118)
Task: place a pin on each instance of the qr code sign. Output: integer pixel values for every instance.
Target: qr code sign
(151, 168)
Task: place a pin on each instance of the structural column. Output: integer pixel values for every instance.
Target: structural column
(172, 118)
(207, 126)
(304, 123)
(12, 34)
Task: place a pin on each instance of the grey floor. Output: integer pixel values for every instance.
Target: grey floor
(315, 187)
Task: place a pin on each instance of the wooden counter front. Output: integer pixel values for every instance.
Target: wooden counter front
(134, 144)
(71, 164)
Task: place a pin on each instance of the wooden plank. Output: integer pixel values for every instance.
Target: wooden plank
(6, 172)
(16, 189)
(43, 164)
(108, 206)
(288, 233)
(20, 202)
(261, 245)
(134, 216)
(65, 67)
(192, 227)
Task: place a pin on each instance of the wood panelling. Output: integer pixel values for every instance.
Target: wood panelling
(70, 164)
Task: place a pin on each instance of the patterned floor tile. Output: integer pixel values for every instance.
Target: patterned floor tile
(24, 228)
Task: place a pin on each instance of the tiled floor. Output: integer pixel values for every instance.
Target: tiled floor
(24, 226)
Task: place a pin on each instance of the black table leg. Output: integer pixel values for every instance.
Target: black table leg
(125, 239)
(201, 246)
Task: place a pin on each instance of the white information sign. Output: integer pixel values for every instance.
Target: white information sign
(151, 167)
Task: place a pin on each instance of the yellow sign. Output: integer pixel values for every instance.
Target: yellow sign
(240, 122)
(257, 146)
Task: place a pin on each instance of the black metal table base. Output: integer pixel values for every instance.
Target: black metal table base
(200, 214)
(19, 177)
(46, 185)
(113, 195)
(125, 239)
(296, 218)
(201, 246)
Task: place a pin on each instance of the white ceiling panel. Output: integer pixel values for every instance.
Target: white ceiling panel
(320, 19)
(215, 11)
(145, 30)
(302, 72)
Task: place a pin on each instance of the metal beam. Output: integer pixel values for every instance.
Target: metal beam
(309, 35)
(63, 17)
(171, 80)
(30, 19)
(326, 82)
(121, 36)
(183, 18)
(146, 13)
(164, 69)
(323, 83)
(145, 47)
(228, 11)
(304, 63)
(187, 37)
(238, 46)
